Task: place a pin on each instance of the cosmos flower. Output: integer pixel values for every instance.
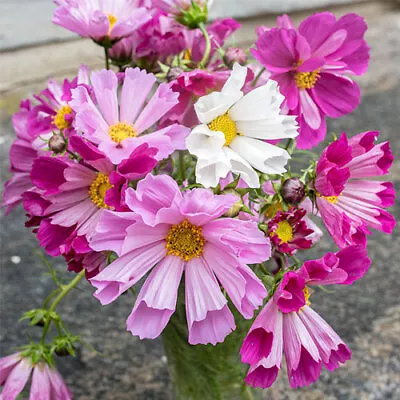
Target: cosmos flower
(289, 231)
(233, 130)
(347, 201)
(118, 127)
(47, 383)
(100, 19)
(311, 65)
(287, 324)
(177, 233)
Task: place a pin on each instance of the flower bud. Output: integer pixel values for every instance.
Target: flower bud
(57, 144)
(235, 209)
(293, 191)
(235, 54)
(173, 73)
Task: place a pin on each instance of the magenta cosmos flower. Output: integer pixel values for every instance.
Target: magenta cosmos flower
(289, 231)
(70, 197)
(47, 383)
(311, 63)
(347, 201)
(287, 324)
(118, 127)
(100, 19)
(178, 232)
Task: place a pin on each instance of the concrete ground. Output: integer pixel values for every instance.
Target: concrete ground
(366, 315)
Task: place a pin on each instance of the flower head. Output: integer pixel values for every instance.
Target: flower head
(179, 233)
(288, 231)
(100, 20)
(118, 129)
(47, 383)
(347, 201)
(310, 64)
(233, 128)
(287, 324)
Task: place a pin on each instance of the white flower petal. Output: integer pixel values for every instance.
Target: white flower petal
(203, 142)
(210, 171)
(242, 168)
(215, 104)
(237, 79)
(279, 127)
(260, 103)
(263, 156)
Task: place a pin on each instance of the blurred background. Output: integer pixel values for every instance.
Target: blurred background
(367, 315)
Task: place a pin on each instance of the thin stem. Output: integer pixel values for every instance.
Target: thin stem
(258, 77)
(181, 166)
(207, 51)
(64, 291)
(290, 146)
(107, 60)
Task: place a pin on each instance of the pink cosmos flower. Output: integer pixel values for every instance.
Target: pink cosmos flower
(348, 202)
(289, 231)
(116, 125)
(311, 63)
(100, 19)
(47, 383)
(156, 40)
(70, 197)
(176, 7)
(287, 324)
(182, 232)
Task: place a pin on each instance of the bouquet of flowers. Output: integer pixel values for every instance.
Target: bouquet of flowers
(182, 173)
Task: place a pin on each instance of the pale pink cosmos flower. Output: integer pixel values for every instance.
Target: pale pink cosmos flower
(288, 325)
(117, 126)
(348, 202)
(176, 7)
(47, 383)
(176, 233)
(101, 19)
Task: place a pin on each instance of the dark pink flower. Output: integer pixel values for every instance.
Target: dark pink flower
(288, 325)
(289, 232)
(348, 202)
(311, 64)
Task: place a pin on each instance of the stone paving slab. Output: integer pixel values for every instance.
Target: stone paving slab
(366, 315)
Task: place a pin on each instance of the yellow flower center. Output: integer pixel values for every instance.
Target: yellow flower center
(224, 124)
(272, 209)
(284, 231)
(98, 190)
(306, 80)
(185, 240)
(307, 294)
(187, 55)
(112, 19)
(331, 199)
(121, 131)
(59, 118)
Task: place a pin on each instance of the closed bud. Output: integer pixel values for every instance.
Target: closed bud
(57, 144)
(235, 209)
(293, 191)
(235, 54)
(173, 73)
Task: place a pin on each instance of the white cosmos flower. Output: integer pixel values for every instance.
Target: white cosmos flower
(233, 130)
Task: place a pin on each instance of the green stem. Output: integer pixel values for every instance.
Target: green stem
(258, 77)
(181, 166)
(290, 146)
(207, 51)
(64, 291)
(107, 60)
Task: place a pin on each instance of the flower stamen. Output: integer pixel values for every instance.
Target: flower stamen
(98, 190)
(59, 119)
(121, 131)
(185, 240)
(224, 124)
(284, 231)
(112, 19)
(306, 80)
